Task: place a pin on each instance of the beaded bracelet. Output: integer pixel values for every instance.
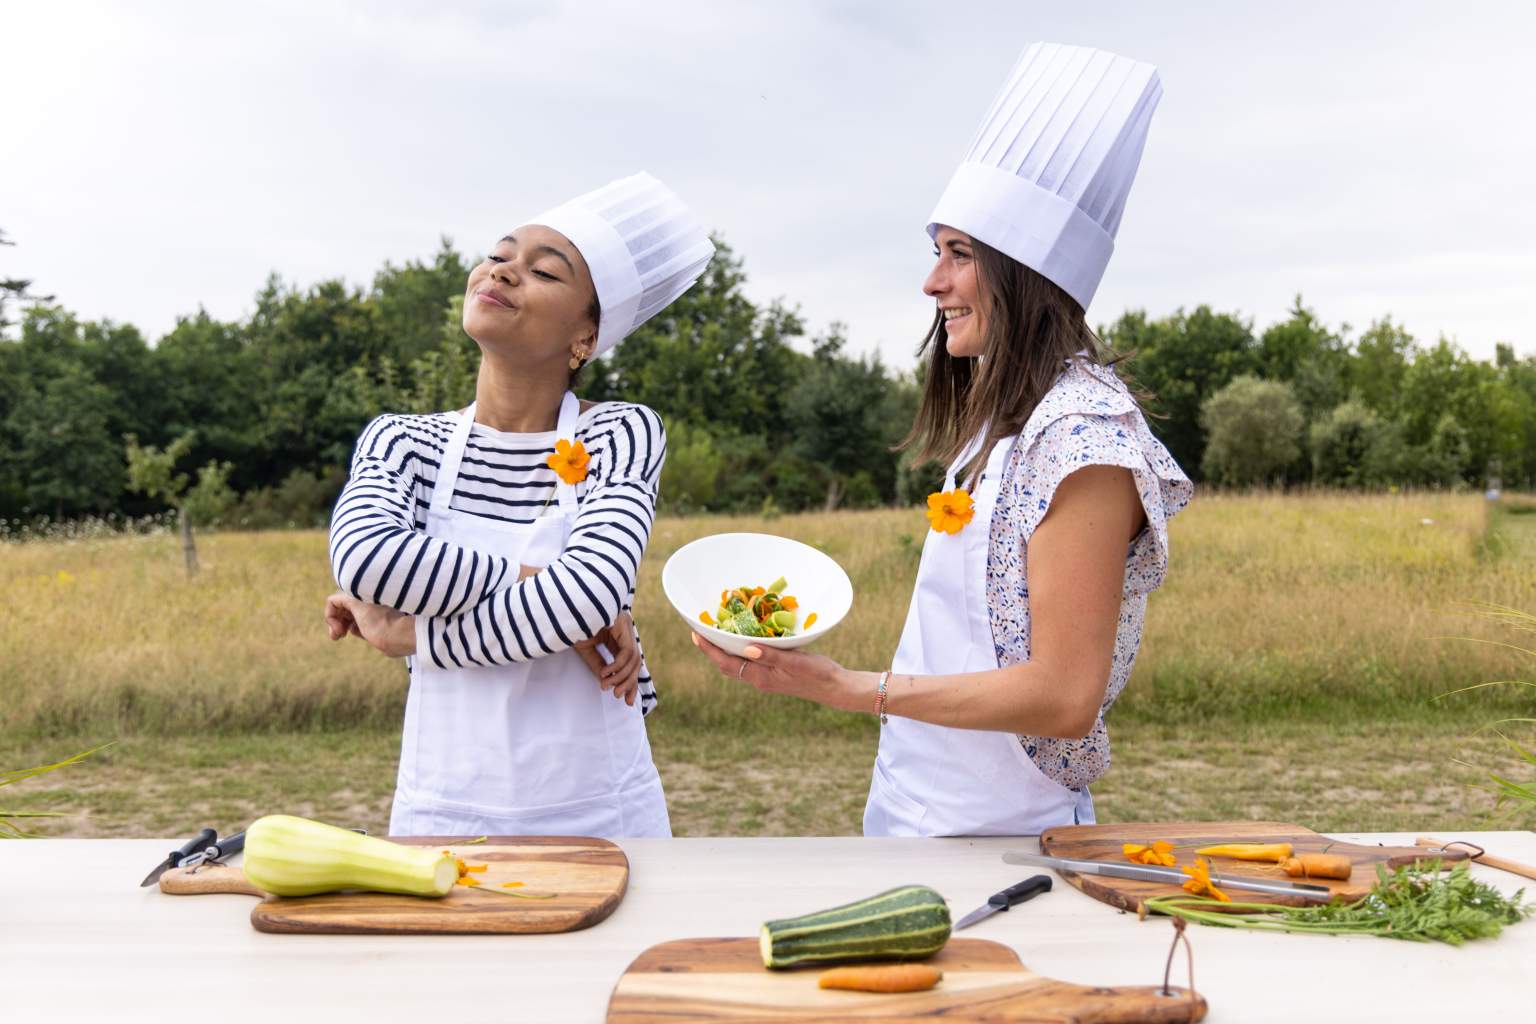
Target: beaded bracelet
(880, 697)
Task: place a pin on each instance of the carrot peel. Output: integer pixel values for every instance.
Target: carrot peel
(1159, 852)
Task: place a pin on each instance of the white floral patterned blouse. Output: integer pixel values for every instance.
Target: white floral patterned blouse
(1088, 417)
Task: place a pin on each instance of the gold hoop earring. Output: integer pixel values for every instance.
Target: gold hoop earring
(577, 362)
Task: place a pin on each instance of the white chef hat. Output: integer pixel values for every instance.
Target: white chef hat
(641, 244)
(1046, 176)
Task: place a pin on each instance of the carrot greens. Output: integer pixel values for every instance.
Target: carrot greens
(1415, 902)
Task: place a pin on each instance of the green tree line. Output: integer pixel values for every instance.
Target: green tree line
(1300, 403)
(761, 417)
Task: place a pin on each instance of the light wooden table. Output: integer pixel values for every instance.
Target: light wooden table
(79, 940)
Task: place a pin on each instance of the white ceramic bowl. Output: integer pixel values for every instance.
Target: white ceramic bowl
(696, 573)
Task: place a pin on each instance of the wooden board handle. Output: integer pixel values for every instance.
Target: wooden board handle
(207, 878)
(1513, 867)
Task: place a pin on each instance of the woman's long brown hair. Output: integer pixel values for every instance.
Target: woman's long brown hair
(1032, 328)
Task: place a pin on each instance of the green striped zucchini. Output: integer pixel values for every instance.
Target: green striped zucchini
(908, 923)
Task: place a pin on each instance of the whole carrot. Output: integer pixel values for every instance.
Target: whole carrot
(1318, 865)
(1248, 851)
(883, 978)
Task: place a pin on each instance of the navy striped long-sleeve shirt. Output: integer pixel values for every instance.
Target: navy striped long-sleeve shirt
(472, 610)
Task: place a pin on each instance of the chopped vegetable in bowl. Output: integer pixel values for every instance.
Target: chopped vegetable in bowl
(756, 611)
(695, 572)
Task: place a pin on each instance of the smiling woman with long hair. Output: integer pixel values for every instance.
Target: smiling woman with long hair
(497, 546)
(1051, 528)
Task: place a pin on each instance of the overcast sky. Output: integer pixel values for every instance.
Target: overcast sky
(1378, 158)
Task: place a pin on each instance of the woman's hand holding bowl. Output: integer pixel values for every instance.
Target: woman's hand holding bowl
(796, 674)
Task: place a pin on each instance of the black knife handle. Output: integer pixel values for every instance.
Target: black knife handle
(202, 839)
(1027, 889)
(230, 845)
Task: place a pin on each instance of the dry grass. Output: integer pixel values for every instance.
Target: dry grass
(108, 635)
(1291, 605)
(1370, 777)
(1277, 604)
(1285, 673)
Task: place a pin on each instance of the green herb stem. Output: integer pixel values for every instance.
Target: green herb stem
(1415, 903)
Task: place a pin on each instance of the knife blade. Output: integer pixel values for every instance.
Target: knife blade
(175, 857)
(1152, 873)
(216, 851)
(1007, 899)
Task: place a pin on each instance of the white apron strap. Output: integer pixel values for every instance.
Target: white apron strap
(453, 457)
(570, 410)
(448, 468)
(966, 455)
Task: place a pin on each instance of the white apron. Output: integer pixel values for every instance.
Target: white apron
(531, 748)
(933, 780)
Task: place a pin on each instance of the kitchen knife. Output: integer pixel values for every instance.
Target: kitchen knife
(216, 851)
(1173, 876)
(1027, 889)
(175, 857)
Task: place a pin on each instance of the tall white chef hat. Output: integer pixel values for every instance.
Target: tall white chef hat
(641, 244)
(1046, 176)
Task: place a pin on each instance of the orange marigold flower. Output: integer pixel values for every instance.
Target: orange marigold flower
(1200, 881)
(1158, 853)
(949, 511)
(569, 461)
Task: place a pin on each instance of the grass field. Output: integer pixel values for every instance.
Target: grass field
(1288, 671)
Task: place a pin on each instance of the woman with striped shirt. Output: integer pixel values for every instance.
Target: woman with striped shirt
(497, 548)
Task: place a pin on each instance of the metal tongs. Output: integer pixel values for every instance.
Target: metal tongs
(1150, 873)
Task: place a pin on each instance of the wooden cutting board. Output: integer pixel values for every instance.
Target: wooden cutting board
(588, 877)
(1103, 842)
(700, 980)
